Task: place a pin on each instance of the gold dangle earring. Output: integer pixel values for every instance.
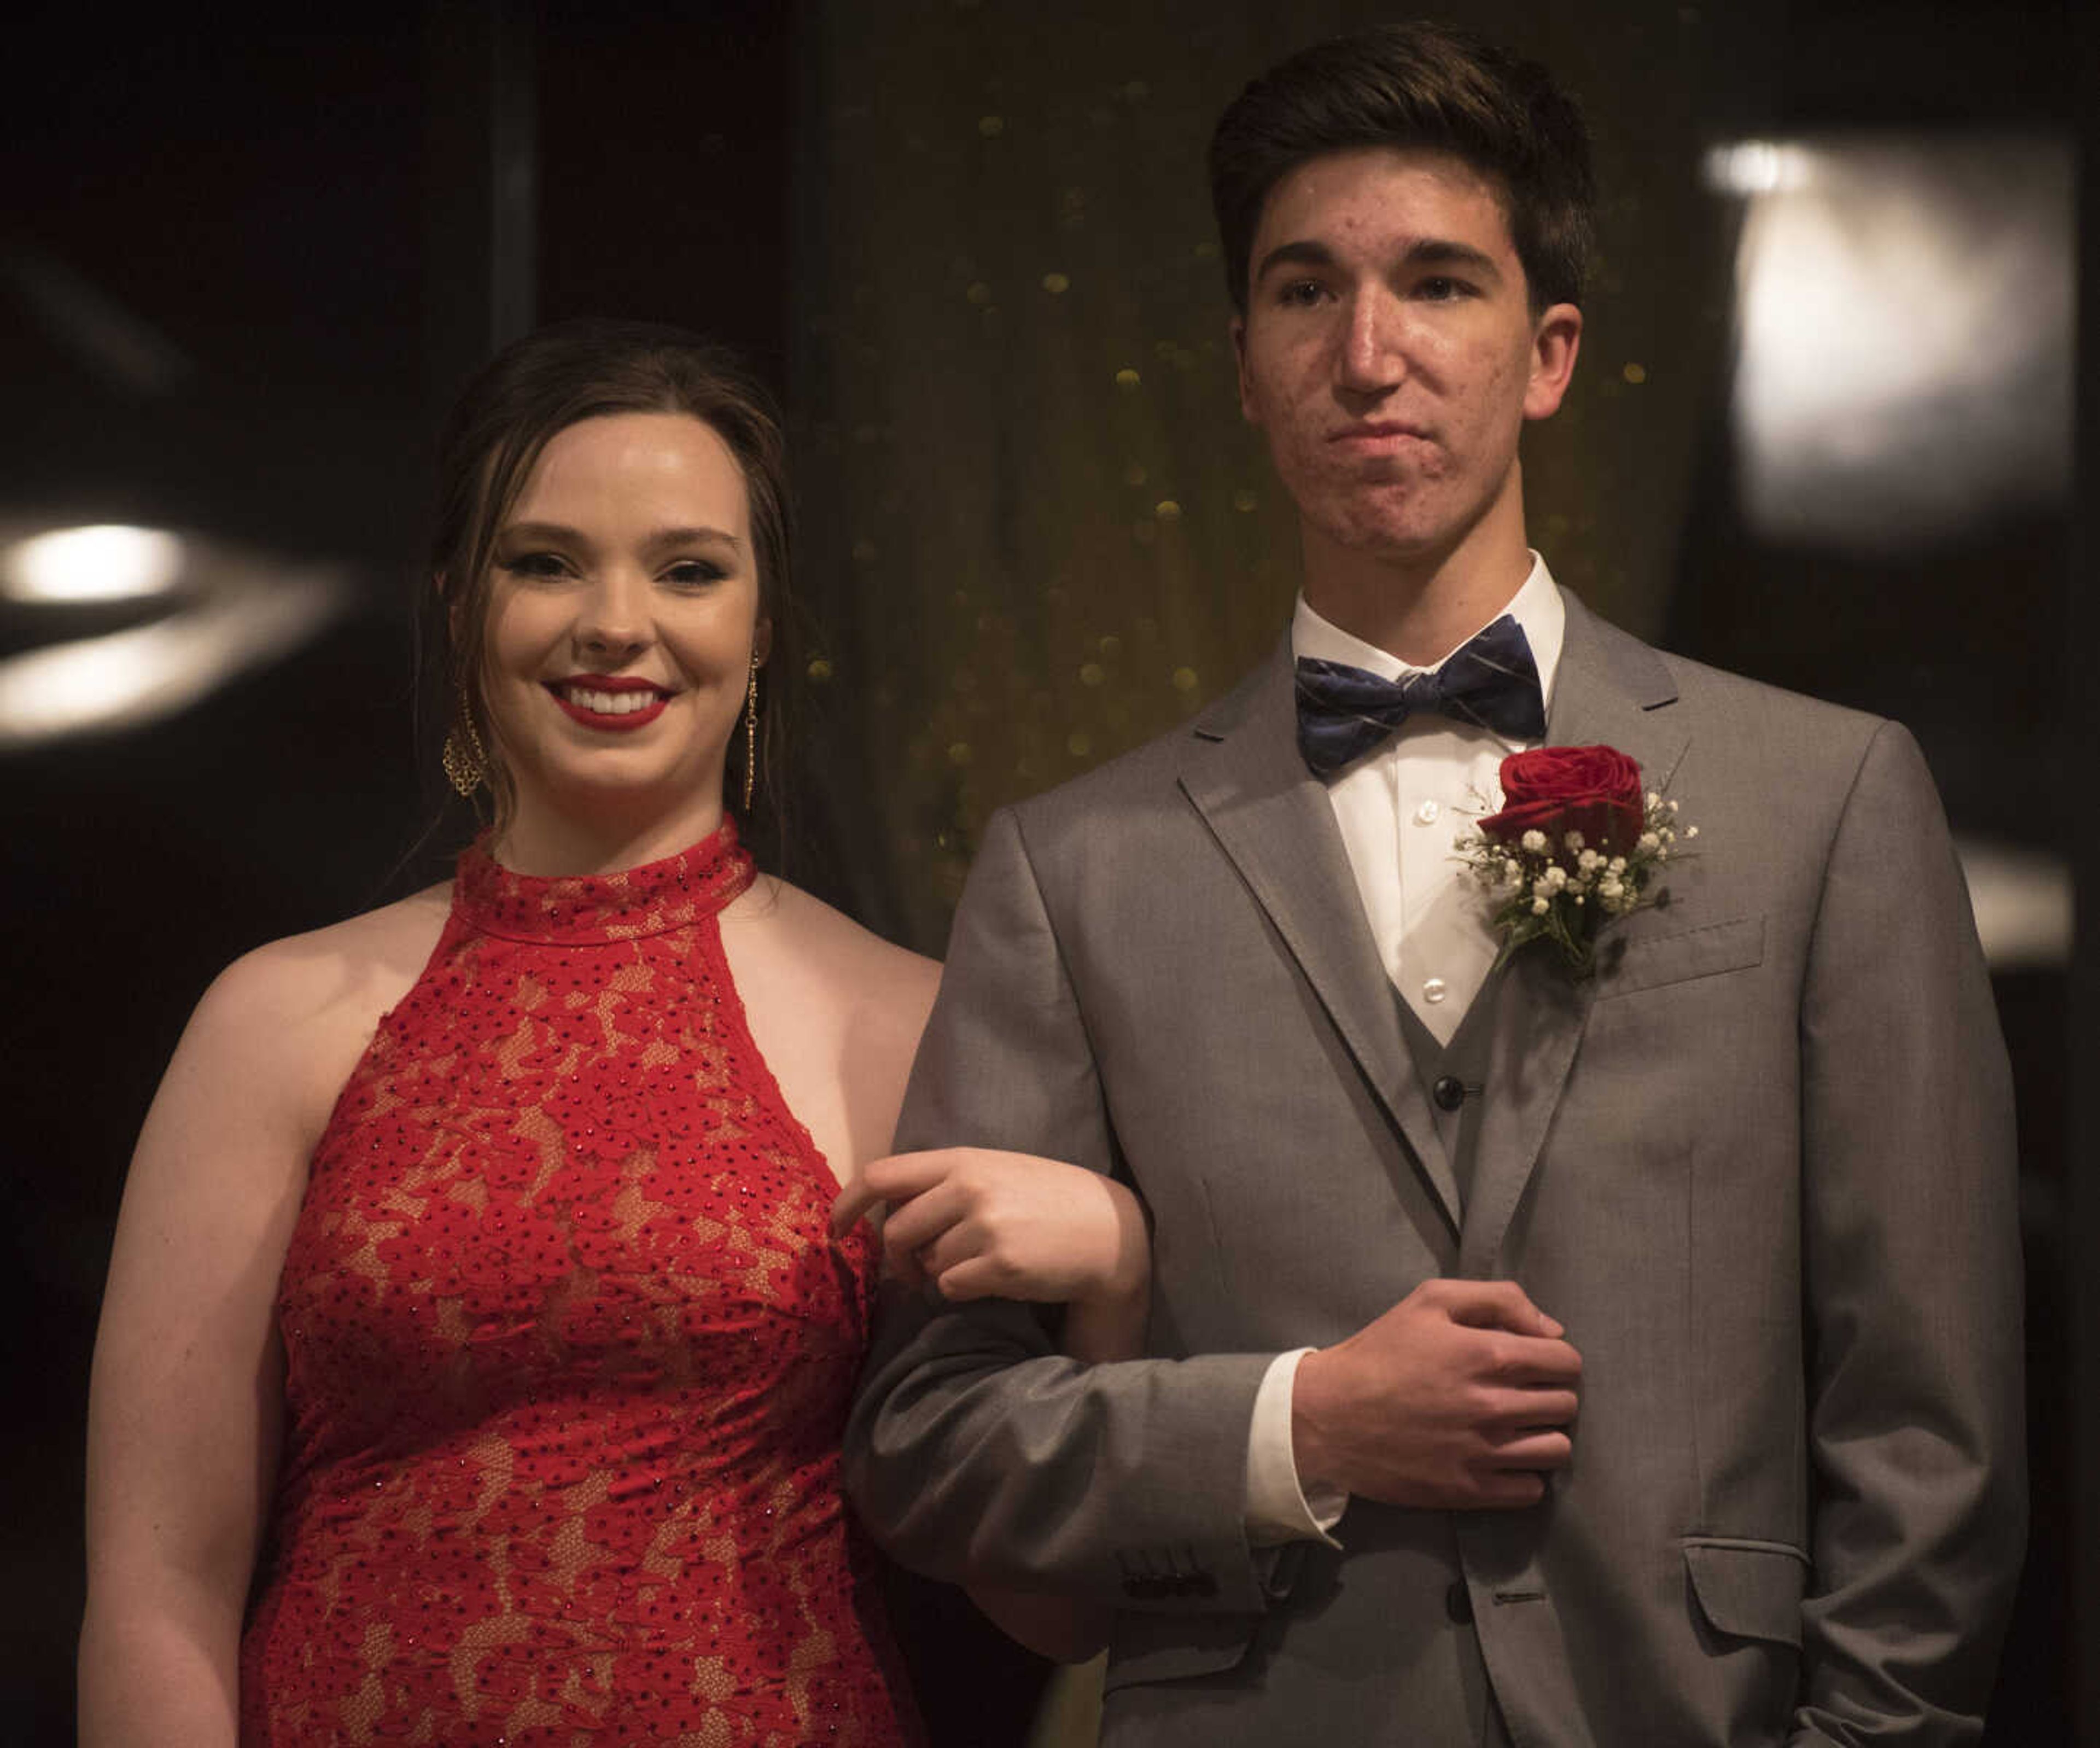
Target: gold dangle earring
(751, 734)
(464, 759)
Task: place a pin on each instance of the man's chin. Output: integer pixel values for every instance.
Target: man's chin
(1395, 539)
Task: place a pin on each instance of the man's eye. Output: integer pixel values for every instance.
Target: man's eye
(1300, 294)
(1440, 289)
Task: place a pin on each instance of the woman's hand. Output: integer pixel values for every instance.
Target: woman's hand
(979, 1224)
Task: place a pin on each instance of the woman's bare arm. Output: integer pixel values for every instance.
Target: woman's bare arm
(186, 1402)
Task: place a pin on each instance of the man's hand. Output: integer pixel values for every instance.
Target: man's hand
(1458, 1397)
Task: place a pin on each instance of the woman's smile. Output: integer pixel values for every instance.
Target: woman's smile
(615, 702)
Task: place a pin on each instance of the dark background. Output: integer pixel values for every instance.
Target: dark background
(320, 226)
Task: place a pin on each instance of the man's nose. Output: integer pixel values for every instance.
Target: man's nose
(1372, 359)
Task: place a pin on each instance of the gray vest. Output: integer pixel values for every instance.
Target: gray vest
(1453, 1076)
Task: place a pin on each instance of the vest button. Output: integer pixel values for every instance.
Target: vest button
(1450, 1092)
(1459, 1603)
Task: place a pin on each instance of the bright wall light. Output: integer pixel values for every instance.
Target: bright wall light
(1903, 362)
(1758, 166)
(2023, 903)
(108, 562)
(240, 611)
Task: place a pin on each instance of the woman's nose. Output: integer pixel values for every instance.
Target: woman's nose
(612, 620)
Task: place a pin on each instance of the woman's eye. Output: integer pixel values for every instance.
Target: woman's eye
(695, 573)
(536, 564)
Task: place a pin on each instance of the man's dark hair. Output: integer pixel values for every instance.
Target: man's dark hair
(1423, 85)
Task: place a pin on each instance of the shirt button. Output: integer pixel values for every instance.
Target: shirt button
(1426, 814)
(1433, 990)
(1450, 1092)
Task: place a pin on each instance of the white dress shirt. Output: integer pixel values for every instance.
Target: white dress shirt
(1399, 807)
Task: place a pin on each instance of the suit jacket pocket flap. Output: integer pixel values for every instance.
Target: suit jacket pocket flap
(1751, 1590)
(1174, 1647)
(1653, 960)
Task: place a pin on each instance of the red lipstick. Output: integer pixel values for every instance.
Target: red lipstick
(585, 697)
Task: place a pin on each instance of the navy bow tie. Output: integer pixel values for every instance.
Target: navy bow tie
(1490, 680)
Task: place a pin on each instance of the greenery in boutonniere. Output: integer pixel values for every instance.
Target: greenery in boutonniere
(1576, 844)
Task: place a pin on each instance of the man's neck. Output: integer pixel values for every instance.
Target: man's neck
(1419, 607)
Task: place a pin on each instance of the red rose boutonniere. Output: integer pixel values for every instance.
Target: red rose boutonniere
(1577, 843)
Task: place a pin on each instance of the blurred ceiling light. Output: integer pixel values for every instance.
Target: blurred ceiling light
(1903, 367)
(108, 562)
(2022, 902)
(242, 611)
(1757, 166)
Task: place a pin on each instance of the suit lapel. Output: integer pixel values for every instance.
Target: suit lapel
(1273, 819)
(1612, 690)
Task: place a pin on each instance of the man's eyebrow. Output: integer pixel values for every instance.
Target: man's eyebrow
(1444, 251)
(1427, 251)
(1304, 253)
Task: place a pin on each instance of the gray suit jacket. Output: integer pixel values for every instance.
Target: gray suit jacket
(1761, 1166)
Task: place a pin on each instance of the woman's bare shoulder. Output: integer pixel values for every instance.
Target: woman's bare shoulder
(862, 972)
(306, 974)
(270, 1045)
(288, 1000)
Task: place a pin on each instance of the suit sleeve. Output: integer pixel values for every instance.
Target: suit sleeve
(975, 1451)
(1913, 1274)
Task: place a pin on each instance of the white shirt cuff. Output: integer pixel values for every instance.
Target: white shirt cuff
(1276, 1507)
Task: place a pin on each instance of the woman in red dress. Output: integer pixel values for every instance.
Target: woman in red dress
(477, 1344)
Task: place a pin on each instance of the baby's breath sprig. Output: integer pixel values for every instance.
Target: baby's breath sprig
(1553, 886)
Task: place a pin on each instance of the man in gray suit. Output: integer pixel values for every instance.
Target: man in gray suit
(1755, 1168)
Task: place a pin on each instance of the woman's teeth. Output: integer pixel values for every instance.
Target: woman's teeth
(609, 704)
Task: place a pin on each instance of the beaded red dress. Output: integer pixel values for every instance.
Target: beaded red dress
(569, 1348)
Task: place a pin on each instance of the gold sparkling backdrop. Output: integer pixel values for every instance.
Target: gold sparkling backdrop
(1035, 531)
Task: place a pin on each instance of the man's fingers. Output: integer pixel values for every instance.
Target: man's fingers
(1504, 1489)
(1496, 1305)
(1549, 1408)
(1503, 1413)
(1540, 1449)
(1532, 1360)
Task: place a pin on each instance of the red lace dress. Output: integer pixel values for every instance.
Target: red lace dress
(569, 1348)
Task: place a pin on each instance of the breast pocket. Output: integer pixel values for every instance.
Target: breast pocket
(1650, 961)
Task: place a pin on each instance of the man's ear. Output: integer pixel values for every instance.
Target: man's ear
(1238, 329)
(1555, 339)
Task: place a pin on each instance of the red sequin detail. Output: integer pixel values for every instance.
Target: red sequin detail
(569, 1348)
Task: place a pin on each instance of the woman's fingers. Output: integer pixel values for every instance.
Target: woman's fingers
(896, 1179)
